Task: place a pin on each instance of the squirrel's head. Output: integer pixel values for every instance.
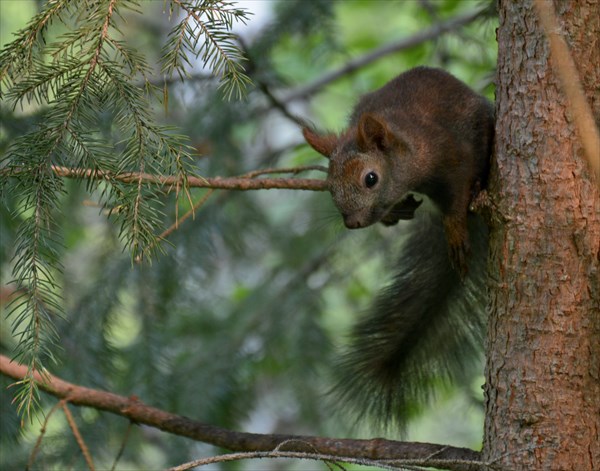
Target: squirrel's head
(362, 177)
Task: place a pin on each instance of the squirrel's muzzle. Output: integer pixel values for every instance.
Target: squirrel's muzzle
(354, 221)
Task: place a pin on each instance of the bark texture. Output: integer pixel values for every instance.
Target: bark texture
(543, 370)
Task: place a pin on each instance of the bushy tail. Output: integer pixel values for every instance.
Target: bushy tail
(425, 328)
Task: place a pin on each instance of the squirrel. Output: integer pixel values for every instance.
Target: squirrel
(423, 135)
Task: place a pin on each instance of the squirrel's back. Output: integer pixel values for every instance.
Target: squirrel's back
(427, 91)
(430, 100)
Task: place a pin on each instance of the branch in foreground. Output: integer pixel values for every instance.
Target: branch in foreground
(378, 449)
(391, 464)
(244, 182)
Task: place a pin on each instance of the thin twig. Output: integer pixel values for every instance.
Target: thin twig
(200, 203)
(78, 438)
(278, 454)
(293, 170)
(173, 227)
(122, 447)
(190, 212)
(392, 464)
(280, 104)
(38, 442)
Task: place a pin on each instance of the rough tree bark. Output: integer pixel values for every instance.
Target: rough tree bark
(543, 370)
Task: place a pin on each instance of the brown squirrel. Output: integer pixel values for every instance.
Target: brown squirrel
(423, 134)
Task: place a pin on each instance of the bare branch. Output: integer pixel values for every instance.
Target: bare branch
(405, 43)
(267, 454)
(233, 183)
(378, 449)
(122, 447)
(243, 182)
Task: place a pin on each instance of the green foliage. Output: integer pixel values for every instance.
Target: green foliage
(95, 116)
(206, 32)
(236, 320)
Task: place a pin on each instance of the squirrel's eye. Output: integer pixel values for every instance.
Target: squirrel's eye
(371, 179)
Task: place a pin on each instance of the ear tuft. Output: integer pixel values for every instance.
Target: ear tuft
(323, 144)
(373, 133)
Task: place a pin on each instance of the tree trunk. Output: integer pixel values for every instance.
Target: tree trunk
(543, 369)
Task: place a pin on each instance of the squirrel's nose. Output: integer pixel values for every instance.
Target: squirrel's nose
(351, 221)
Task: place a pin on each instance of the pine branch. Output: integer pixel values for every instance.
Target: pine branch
(375, 450)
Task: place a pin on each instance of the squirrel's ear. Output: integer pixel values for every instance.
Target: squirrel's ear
(323, 144)
(374, 133)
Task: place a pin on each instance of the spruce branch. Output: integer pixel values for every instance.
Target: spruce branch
(206, 33)
(84, 83)
(18, 55)
(81, 81)
(36, 263)
(36, 260)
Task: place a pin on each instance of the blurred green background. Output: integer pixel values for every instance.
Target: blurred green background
(238, 322)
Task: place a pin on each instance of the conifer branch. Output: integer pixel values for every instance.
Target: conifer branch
(36, 259)
(19, 54)
(211, 20)
(83, 80)
(242, 182)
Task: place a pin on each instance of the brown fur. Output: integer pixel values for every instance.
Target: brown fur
(425, 132)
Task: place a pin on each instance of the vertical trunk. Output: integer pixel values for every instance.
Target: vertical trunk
(543, 370)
